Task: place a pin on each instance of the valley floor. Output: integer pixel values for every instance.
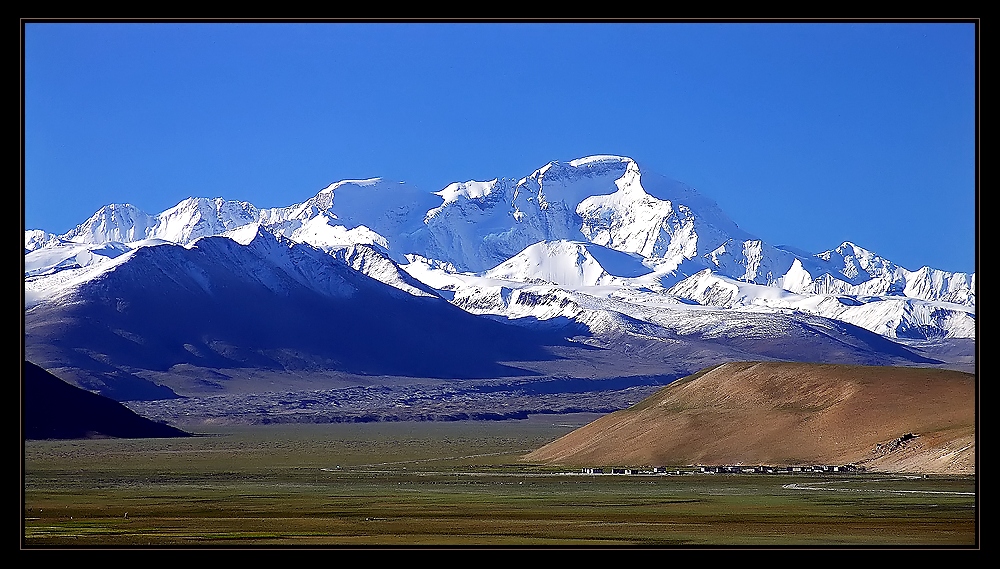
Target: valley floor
(441, 401)
(450, 484)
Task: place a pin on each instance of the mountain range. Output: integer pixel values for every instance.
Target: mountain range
(594, 267)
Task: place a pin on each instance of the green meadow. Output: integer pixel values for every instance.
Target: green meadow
(448, 484)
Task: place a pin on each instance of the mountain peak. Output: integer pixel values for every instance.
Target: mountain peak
(193, 218)
(122, 222)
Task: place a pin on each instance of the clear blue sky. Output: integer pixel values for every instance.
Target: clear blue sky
(805, 134)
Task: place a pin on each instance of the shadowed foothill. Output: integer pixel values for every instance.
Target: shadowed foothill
(54, 409)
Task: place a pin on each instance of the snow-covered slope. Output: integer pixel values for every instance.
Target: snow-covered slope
(35, 238)
(57, 269)
(568, 263)
(372, 211)
(374, 262)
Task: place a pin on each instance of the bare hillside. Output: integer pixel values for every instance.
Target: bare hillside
(883, 418)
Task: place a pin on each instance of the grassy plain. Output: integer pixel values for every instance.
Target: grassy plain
(448, 484)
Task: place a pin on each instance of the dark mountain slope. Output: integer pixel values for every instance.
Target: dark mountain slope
(54, 409)
(268, 305)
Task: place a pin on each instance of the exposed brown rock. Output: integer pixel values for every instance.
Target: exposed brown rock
(786, 413)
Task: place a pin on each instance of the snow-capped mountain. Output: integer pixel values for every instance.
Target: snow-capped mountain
(598, 245)
(183, 223)
(113, 222)
(891, 316)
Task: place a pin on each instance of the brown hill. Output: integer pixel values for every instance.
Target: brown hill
(786, 413)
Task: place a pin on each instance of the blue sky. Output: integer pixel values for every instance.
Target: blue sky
(805, 134)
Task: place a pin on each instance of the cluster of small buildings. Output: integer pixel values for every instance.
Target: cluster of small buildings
(767, 469)
(729, 469)
(654, 470)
